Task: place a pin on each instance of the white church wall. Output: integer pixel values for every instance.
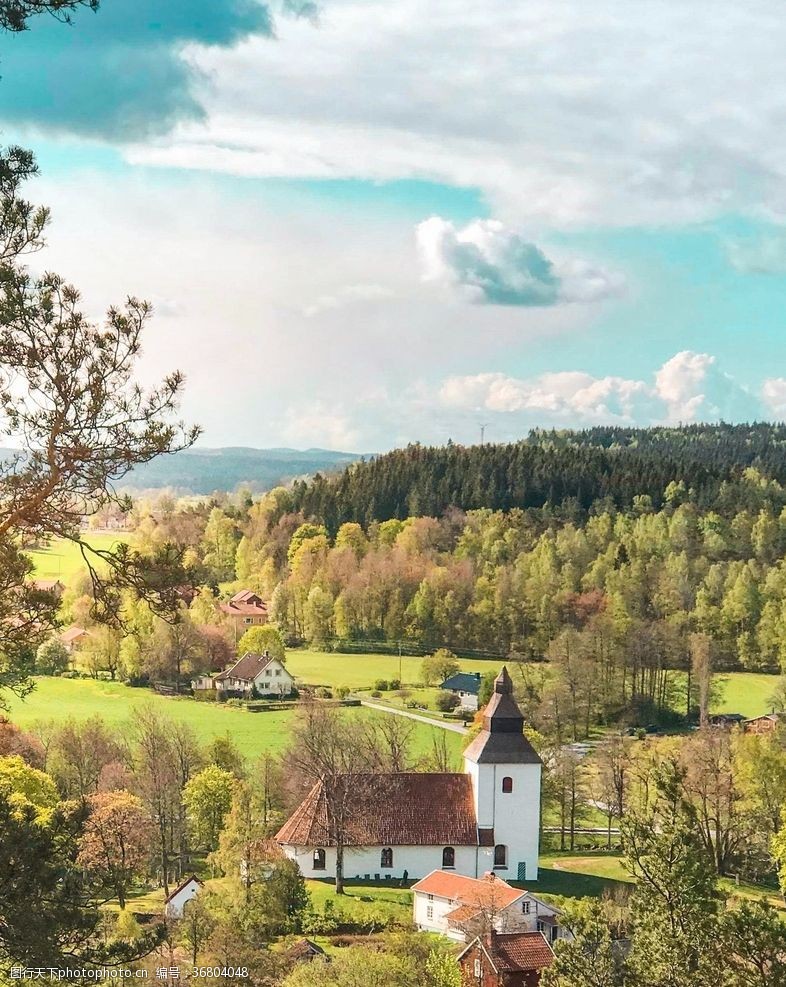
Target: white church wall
(363, 862)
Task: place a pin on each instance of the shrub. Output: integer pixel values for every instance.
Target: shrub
(234, 701)
(381, 685)
(376, 694)
(323, 693)
(395, 684)
(342, 691)
(446, 701)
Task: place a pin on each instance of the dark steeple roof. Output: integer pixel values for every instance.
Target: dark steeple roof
(502, 740)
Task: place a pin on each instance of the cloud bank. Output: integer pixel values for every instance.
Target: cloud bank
(687, 388)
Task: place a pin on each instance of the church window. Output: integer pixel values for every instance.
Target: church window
(387, 857)
(500, 855)
(448, 857)
(507, 784)
(319, 859)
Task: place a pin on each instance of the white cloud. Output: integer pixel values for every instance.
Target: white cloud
(347, 295)
(319, 424)
(773, 393)
(574, 112)
(758, 255)
(492, 264)
(687, 388)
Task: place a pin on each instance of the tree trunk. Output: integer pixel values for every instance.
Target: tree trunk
(339, 867)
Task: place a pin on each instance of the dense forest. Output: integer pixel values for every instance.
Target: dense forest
(572, 470)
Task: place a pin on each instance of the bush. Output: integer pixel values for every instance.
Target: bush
(376, 694)
(381, 685)
(395, 684)
(342, 691)
(234, 701)
(323, 693)
(446, 701)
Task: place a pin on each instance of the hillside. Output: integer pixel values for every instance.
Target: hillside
(567, 469)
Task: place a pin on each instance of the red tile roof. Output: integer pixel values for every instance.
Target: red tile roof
(246, 668)
(519, 951)
(404, 809)
(469, 890)
(245, 602)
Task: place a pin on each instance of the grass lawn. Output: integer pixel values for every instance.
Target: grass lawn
(61, 559)
(59, 699)
(361, 671)
(362, 898)
(745, 692)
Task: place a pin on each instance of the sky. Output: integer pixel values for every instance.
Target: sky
(365, 223)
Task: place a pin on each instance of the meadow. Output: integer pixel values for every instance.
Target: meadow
(748, 693)
(60, 699)
(61, 559)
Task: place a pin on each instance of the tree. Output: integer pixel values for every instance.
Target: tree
(69, 398)
(331, 750)
(79, 752)
(587, 959)
(224, 752)
(353, 967)
(195, 926)
(115, 845)
(701, 673)
(675, 904)
(258, 640)
(24, 788)
(52, 657)
(439, 666)
(208, 798)
(14, 14)
(754, 945)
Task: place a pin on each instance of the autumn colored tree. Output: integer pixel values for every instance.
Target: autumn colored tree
(116, 843)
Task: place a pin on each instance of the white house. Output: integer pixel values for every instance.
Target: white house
(486, 818)
(466, 685)
(180, 897)
(463, 907)
(263, 673)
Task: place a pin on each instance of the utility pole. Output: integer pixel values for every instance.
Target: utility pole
(483, 428)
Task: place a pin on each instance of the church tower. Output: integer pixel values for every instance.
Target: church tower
(505, 772)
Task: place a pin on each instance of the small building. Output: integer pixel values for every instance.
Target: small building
(180, 897)
(245, 609)
(727, 720)
(509, 959)
(767, 723)
(305, 951)
(466, 685)
(74, 638)
(203, 683)
(463, 907)
(53, 586)
(252, 674)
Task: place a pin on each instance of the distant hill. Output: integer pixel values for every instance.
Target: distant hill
(203, 471)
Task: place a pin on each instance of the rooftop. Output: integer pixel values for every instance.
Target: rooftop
(463, 682)
(502, 740)
(247, 668)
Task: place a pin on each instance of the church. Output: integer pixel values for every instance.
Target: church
(484, 819)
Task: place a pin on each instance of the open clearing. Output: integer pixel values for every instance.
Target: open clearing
(59, 699)
(745, 692)
(61, 559)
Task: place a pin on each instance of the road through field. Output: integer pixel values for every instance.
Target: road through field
(453, 727)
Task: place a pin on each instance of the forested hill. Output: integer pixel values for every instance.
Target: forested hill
(565, 469)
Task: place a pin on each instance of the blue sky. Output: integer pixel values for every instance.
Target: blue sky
(363, 224)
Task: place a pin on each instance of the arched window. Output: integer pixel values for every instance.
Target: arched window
(500, 855)
(507, 784)
(387, 857)
(319, 859)
(448, 857)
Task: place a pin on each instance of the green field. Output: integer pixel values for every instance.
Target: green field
(745, 692)
(62, 560)
(59, 699)
(361, 671)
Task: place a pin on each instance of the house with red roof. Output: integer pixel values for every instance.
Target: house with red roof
(485, 818)
(508, 959)
(464, 907)
(244, 610)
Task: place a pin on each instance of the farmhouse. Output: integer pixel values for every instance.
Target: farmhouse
(245, 609)
(486, 818)
(53, 586)
(180, 897)
(74, 637)
(260, 674)
(463, 907)
(767, 723)
(466, 685)
(511, 959)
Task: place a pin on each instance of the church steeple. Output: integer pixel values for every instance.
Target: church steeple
(502, 740)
